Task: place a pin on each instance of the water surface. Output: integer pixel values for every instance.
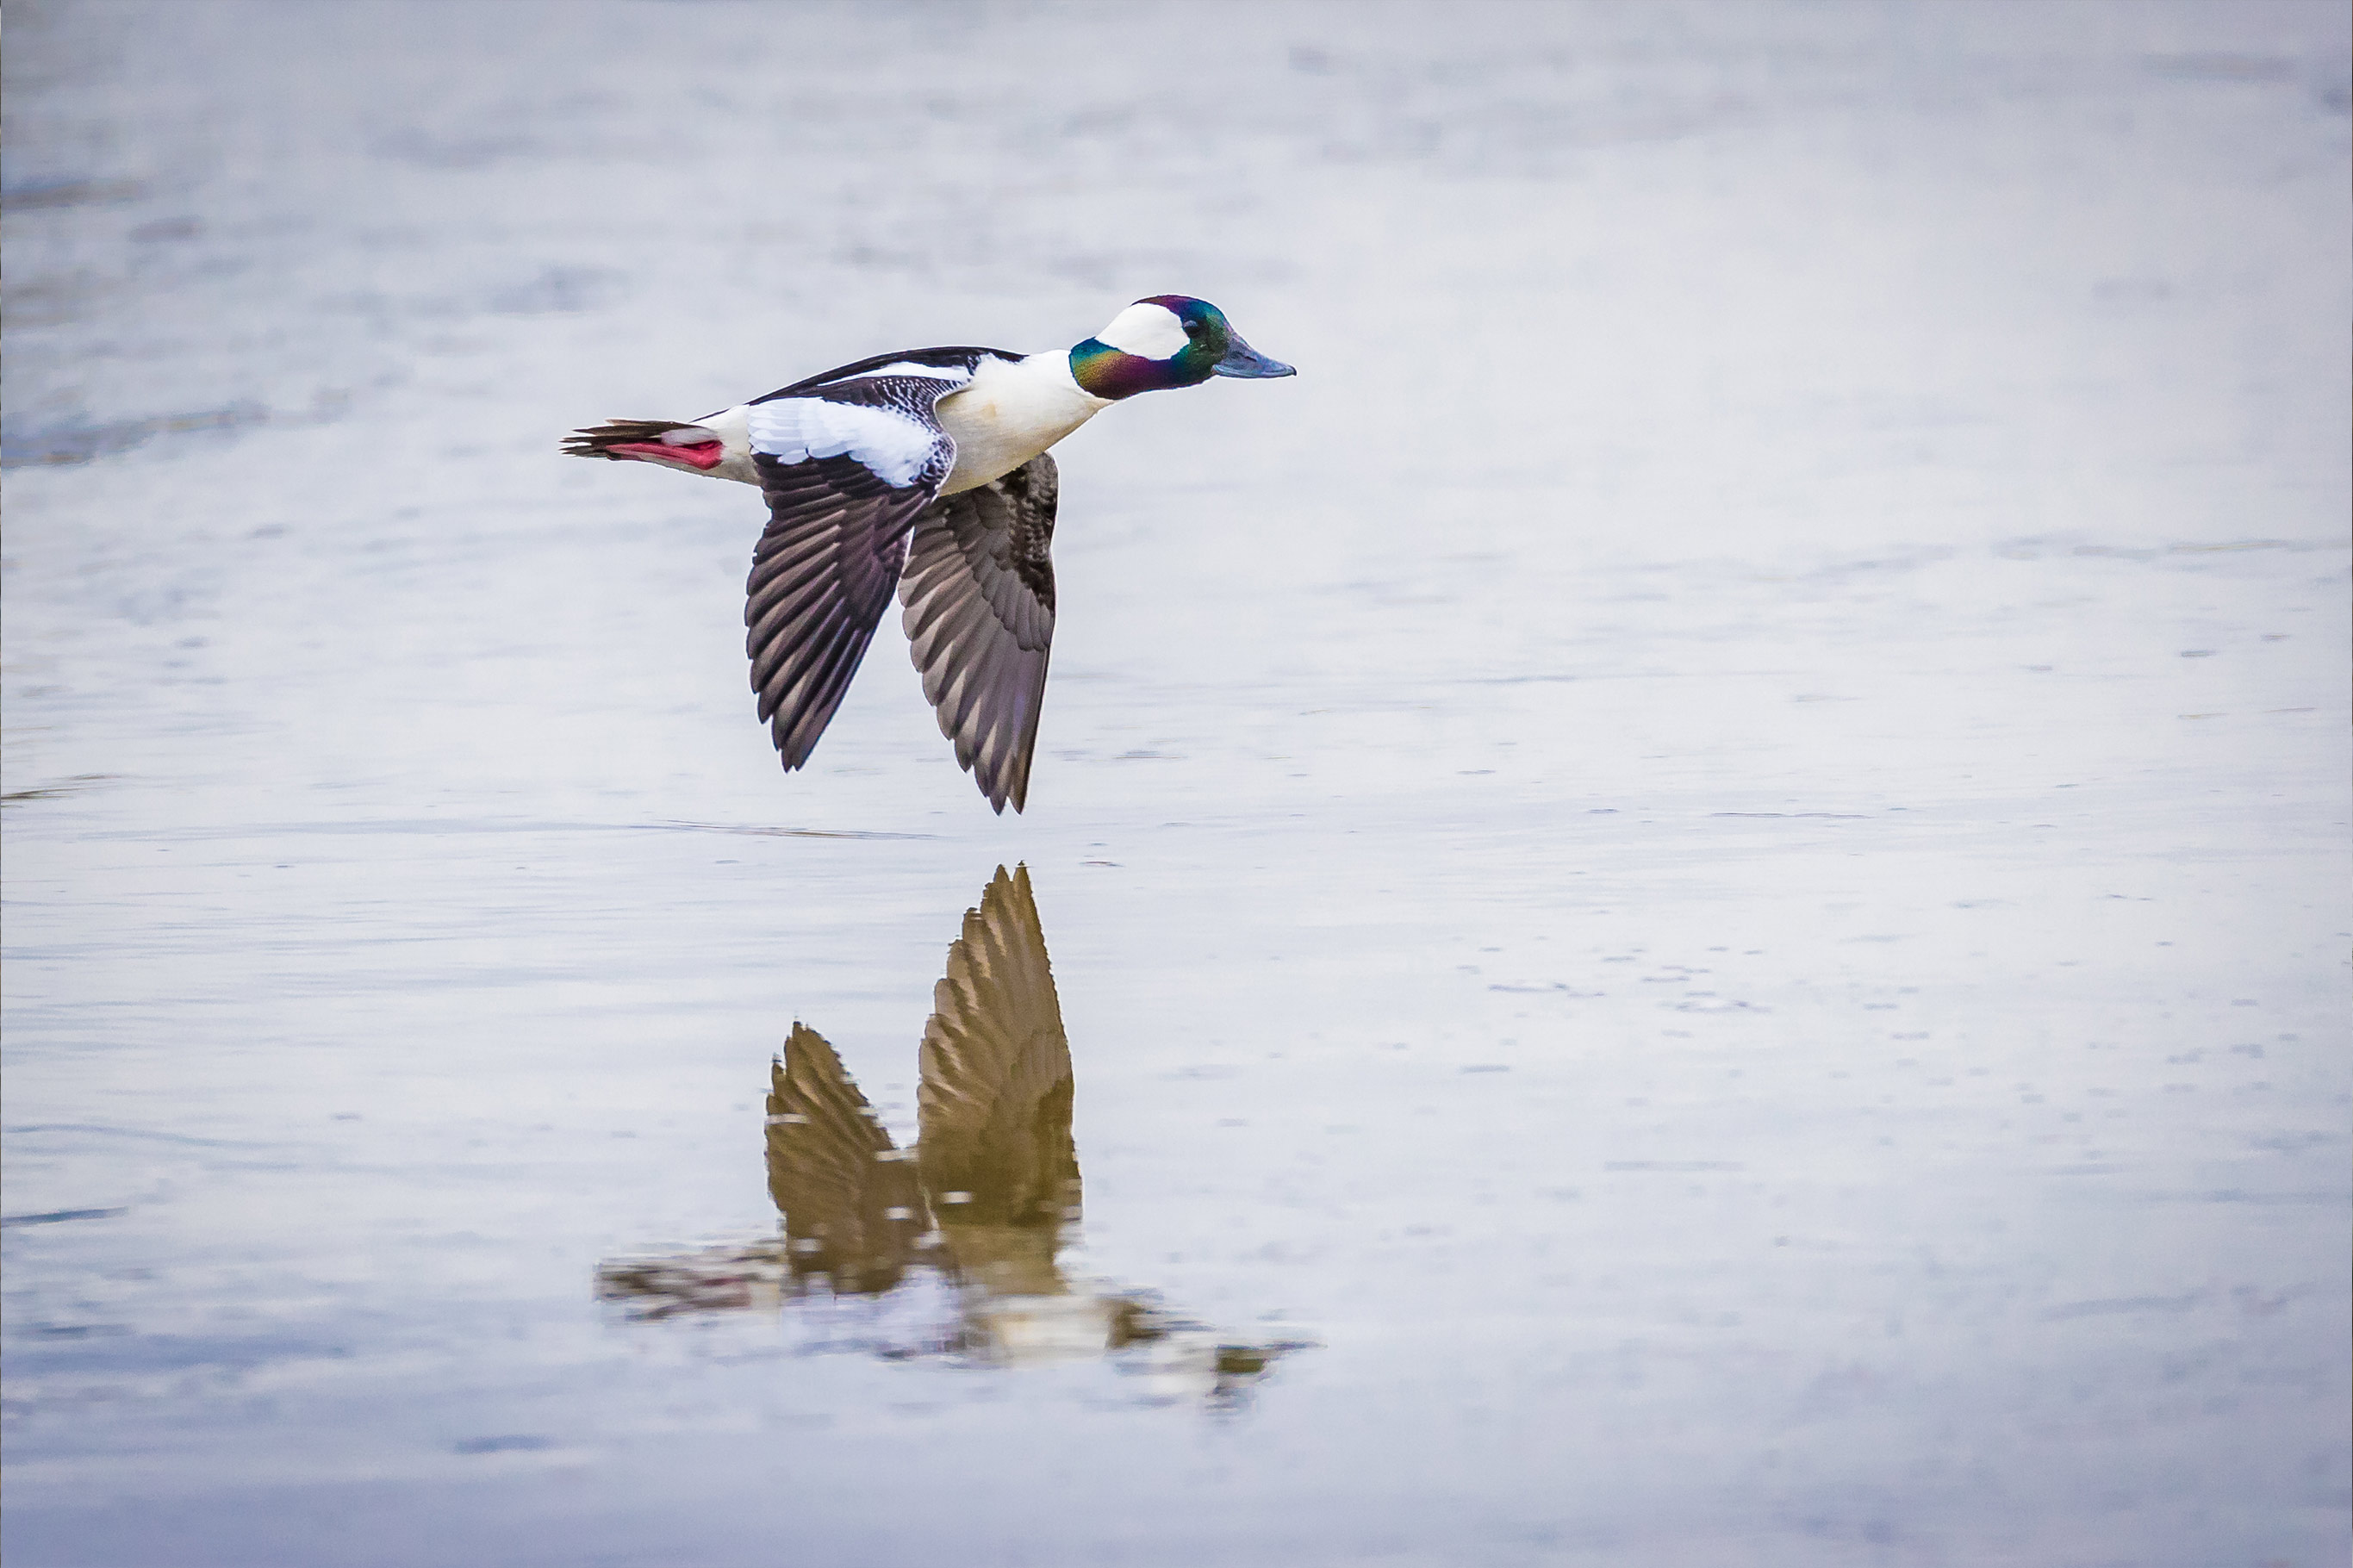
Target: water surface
(1696, 889)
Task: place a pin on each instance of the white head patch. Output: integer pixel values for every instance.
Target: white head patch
(1149, 332)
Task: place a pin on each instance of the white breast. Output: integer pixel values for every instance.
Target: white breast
(1012, 411)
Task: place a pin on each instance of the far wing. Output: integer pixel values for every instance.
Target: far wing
(846, 469)
(979, 596)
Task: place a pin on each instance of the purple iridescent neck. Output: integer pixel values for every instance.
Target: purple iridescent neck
(1104, 371)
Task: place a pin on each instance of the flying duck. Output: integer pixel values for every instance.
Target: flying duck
(925, 470)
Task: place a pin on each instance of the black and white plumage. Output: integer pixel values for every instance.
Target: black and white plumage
(924, 473)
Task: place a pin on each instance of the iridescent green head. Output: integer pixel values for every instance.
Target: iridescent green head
(1168, 340)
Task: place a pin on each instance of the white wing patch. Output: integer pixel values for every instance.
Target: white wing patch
(908, 367)
(796, 429)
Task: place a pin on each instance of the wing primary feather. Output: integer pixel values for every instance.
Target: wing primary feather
(979, 616)
(827, 565)
(816, 690)
(776, 611)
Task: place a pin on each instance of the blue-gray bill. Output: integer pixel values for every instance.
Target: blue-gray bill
(1245, 364)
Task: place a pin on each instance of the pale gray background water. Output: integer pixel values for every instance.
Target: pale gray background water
(1714, 853)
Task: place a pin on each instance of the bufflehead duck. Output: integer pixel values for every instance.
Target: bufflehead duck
(925, 470)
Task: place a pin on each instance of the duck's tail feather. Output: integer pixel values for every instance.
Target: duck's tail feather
(598, 440)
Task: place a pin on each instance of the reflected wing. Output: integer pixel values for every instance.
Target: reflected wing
(846, 469)
(979, 592)
(849, 1198)
(995, 1102)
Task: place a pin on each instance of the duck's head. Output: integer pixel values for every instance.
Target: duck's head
(1168, 340)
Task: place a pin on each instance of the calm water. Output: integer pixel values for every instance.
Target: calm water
(1688, 907)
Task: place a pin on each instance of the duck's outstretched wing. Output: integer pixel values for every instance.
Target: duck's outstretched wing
(851, 1206)
(979, 592)
(846, 466)
(994, 1106)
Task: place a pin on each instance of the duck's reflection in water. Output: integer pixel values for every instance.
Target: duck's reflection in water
(949, 1248)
